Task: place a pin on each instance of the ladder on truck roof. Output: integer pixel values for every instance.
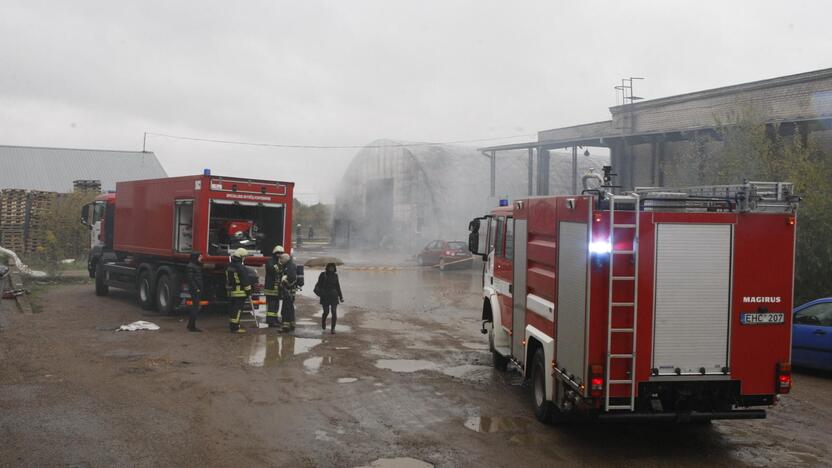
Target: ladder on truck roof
(616, 308)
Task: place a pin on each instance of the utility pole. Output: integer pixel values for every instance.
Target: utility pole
(144, 143)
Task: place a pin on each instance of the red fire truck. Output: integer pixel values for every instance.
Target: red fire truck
(143, 234)
(661, 304)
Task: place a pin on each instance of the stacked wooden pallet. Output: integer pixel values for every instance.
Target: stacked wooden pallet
(87, 186)
(13, 209)
(23, 217)
(40, 205)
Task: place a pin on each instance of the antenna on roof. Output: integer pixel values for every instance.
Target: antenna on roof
(144, 142)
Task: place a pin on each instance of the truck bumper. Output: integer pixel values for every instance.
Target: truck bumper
(693, 416)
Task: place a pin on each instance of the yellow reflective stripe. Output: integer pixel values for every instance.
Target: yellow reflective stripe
(271, 314)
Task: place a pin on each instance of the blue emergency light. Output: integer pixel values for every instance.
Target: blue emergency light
(504, 202)
(206, 172)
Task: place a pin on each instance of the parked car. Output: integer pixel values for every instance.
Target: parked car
(812, 335)
(446, 254)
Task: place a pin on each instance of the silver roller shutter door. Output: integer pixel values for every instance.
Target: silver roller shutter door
(693, 287)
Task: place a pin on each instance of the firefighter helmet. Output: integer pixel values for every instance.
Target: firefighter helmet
(278, 249)
(240, 253)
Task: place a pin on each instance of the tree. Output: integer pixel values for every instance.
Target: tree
(317, 216)
(64, 235)
(747, 148)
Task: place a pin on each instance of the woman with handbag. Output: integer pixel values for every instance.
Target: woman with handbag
(328, 288)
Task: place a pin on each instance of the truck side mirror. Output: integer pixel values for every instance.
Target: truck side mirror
(85, 215)
(476, 242)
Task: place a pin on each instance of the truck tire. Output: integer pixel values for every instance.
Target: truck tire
(101, 288)
(165, 294)
(146, 290)
(500, 362)
(543, 409)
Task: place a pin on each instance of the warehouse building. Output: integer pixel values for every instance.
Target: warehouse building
(650, 141)
(399, 194)
(32, 181)
(55, 169)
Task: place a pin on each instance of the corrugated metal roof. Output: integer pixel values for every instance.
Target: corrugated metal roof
(54, 169)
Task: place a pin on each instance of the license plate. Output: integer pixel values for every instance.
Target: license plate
(762, 318)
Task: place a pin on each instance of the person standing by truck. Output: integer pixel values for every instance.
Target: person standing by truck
(288, 275)
(195, 286)
(328, 288)
(238, 291)
(271, 287)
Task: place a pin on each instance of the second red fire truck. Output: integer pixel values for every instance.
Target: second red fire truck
(143, 234)
(661, 304)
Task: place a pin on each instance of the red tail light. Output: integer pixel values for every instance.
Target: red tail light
(784, 377)
(448, 253)
(596, 381)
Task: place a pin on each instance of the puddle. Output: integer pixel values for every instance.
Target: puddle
(475, 345)
(347, 380)
(470, 372)
(405, 365)
(398, 463)
(269, 350)
(313, 364)
(497, 424)
(323, 436)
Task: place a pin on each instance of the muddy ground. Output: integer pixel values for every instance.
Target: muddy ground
(405, 377)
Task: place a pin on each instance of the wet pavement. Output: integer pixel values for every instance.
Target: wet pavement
(404, 382)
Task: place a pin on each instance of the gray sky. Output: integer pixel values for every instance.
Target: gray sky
(97, 74)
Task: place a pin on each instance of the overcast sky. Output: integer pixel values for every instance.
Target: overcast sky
(97, 74)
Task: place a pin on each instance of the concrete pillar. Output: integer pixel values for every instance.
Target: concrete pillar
(542, 171)
(654, 163)
(531, 171)
(617, 161)
(493, 173)
(574, 170)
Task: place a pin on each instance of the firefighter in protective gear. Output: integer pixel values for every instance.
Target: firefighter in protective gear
(271, 287)
(237, 291)
(288, 274)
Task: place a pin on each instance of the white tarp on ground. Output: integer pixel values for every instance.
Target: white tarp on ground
(138, 325)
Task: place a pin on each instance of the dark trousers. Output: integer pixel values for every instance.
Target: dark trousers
(196, 298)
(288, 310)
(235, 309)
(272, 305)
(327, 309)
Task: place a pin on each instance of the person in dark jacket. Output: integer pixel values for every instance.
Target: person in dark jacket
(288, 277)
(271, 287)
(238, 291)
(195, 286)
(328, 288)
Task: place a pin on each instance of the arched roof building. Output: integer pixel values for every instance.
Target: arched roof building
(399, 194)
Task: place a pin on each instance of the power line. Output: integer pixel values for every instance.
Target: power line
(278, 145)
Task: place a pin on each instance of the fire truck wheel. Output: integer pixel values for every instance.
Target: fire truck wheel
(146, 290)
(164, 295)
(101, 288)
(543, 409)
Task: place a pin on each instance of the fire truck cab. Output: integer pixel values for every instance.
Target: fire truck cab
(659, 304)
